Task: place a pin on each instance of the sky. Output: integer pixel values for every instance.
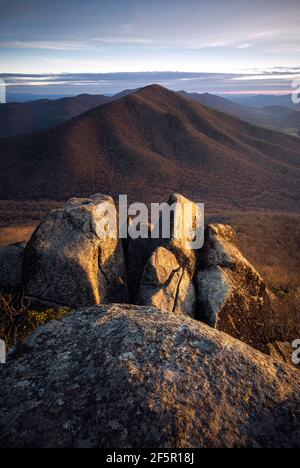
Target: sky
(255, 42)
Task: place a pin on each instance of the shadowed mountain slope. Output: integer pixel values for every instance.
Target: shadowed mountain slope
(149, 144)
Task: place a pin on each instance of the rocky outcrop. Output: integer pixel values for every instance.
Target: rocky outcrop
(130, 377)
(166, 280)
(69, 261)
(11, 260)
(232, 296)
(166, 285)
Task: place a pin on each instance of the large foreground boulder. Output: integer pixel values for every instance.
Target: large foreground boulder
(130, 377)
(11, 260)
(232, 296)
(69, 261)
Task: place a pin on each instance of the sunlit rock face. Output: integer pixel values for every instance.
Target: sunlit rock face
(138, 377)
(231, 294)
(68, 261)
(166, 280)
(165, 284)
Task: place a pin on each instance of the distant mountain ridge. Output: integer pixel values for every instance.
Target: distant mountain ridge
(278, 118)
(152, 143)
(264, 100)
(22, 118)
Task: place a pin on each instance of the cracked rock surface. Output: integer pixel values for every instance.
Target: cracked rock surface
(68, 262)
(167, 285)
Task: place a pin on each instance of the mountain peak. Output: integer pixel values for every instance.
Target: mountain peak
(154, 89)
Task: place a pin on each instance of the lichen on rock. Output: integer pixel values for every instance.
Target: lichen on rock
(138, 377)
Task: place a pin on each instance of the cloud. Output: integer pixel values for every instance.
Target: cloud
(217, 44)
(267, 77)
(92, 44)
(244, 46)
(272, 81)
(122, 40)
(48, 45)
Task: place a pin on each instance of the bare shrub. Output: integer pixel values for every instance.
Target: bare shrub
(18, 320)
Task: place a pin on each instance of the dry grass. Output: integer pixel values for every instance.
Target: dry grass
(283, 324)
(19, 219)
(15, 234)
(24, 213)
(18, 320)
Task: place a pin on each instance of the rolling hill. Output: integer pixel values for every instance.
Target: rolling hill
(286, 118)
(278, 118)
(265, 100)
(151, 143)
(19, 118)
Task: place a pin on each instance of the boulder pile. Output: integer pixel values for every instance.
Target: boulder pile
(68, 262)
